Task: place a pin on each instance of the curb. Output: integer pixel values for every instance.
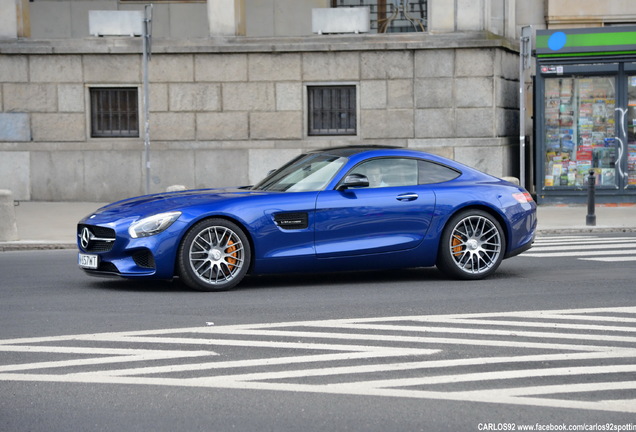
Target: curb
(31, 246)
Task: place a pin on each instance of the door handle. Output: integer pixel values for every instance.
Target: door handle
(407, 197)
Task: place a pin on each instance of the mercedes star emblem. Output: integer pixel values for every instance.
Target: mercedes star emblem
(85, 237)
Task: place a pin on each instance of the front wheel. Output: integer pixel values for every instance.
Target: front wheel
(214, 255)
(472, 246)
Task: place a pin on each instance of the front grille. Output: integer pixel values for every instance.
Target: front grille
(100, 231)
(100, 246)
(144, 258)
(98, 239)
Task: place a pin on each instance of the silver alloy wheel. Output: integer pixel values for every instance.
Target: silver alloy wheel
(216, 255)
(475, 244)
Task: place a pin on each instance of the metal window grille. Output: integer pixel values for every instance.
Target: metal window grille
(332, 110)
(392, 16)
(114, 112)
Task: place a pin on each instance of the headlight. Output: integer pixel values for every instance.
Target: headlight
(153, 225)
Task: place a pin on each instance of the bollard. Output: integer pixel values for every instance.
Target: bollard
(590, 219)
(8, 227)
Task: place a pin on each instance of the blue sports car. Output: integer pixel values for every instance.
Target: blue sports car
(348, 208)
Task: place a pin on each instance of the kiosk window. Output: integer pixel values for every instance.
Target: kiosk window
(579, 131)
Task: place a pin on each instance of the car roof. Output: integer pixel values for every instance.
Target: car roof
(353, 150)
(348, 151)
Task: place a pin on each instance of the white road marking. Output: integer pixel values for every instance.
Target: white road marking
(588, 248)
(583, 253)
(582, 240)
(612, 259)
(110, 355)
(565, 237)
(415, 355)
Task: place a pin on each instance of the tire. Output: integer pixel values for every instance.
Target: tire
(472, 246)
(214, 255)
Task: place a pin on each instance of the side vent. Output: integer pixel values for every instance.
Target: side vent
(291, 221)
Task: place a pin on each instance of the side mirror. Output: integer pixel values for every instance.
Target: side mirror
(354, 180)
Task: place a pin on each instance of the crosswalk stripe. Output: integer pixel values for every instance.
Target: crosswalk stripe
(565, 237)
(592, 247)
(585, 242)
(586, 253)
(585, 247)
(611, 259)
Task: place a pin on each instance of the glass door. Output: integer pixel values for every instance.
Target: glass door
(630, 125)
(580, 131)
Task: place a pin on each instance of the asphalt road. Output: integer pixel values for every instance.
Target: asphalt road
(549, 341)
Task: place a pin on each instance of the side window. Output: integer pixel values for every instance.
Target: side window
(431, 172)
(387, 172)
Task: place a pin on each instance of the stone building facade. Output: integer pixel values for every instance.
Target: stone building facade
(224, 115)
(225, 109)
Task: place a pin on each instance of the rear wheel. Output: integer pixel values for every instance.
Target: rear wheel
(214, 255)
(472, 246)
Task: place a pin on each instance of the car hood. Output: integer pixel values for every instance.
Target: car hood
(147, 205)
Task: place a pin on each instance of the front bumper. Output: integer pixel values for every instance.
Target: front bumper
(118, 254)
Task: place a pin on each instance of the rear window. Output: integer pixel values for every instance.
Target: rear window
(431, 172)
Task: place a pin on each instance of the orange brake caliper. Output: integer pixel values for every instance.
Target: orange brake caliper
(456, 243)
(232, 251)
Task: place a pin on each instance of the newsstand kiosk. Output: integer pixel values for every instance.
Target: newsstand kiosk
(585, 114)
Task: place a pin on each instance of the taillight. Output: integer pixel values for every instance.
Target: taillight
(523, 197)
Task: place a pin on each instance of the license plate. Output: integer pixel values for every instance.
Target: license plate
(88, 261)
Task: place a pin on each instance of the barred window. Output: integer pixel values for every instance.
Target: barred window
(332, 110)
(114, 112)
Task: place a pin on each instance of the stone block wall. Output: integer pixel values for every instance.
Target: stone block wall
(225, 113)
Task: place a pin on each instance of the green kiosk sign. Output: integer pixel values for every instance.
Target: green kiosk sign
(619, 40)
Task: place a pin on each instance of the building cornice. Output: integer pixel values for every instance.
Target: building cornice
(227, 45)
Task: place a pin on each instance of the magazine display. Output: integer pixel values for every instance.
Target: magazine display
(580, 131)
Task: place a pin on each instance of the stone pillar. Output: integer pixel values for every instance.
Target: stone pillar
(226, 17)
(14, 19)
(8, 227)
(8, 20)
(441, 16)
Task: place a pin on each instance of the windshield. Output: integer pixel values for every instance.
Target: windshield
(310, 172)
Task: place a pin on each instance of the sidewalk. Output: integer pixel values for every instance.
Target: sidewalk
(563, 219)
(48, 225)
(52, 225)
